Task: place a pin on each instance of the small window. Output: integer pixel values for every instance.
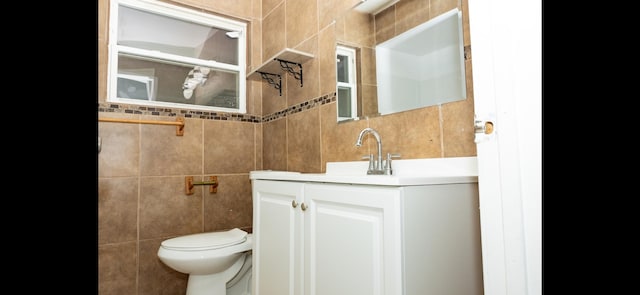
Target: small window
(165, 55)
(346, 83)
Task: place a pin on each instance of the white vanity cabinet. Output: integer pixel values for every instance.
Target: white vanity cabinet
(316, 238)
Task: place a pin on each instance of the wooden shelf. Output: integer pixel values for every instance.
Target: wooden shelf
(272, 66)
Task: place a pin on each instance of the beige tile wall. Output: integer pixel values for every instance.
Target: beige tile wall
(141, 168)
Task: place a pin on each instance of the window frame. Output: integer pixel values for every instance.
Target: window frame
(185, 14)
(350, 53)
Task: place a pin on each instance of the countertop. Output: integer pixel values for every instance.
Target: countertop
(405, 173)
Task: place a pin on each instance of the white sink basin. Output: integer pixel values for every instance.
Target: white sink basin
(405, 172)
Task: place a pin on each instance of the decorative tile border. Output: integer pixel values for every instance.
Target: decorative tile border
(307, 105)
(106, 107)
(168, 112)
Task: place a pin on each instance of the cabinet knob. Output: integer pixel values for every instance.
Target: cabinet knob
(303, 207)
(294, 204)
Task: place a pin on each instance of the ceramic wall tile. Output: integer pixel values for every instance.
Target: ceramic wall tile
(238, 8)
(338, 139)
(411, 13)
(400, 133)
(303, 141)
(438, 7)
(273, 33)
(165, 153)
(275, 145)
(155, 277)
(117, 210)
(326, 60)
(166, 210)
(298, 92)
(117, 268)
(302, 21)
(228, 147)
(385, 25)
(120, 146)
(269, 5)
(231, 206)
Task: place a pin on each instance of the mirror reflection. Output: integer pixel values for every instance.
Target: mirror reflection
(397, 58)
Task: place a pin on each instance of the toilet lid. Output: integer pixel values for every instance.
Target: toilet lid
(210, 240)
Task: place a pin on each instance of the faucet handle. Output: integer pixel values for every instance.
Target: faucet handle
(390, 155)
(372, 164)
(387, 165)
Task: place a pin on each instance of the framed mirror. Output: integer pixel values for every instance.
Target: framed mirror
(395, 57)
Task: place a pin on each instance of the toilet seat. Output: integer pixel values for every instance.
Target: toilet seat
(206, 241)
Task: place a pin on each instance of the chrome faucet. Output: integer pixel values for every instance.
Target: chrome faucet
(374, 167)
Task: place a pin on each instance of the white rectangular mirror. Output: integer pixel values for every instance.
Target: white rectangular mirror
(423, 66)
(395, 71)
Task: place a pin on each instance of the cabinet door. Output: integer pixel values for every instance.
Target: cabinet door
(277, 237)
(352, 240)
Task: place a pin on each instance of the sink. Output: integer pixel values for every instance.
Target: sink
(405, 172)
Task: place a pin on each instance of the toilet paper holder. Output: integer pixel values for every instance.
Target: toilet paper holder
(190, 185)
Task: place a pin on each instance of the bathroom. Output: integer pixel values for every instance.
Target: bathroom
(142, 168)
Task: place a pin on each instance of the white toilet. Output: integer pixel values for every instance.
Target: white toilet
(218, 263)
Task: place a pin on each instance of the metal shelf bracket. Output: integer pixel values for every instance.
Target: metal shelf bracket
(289, 67)
(269, 78)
